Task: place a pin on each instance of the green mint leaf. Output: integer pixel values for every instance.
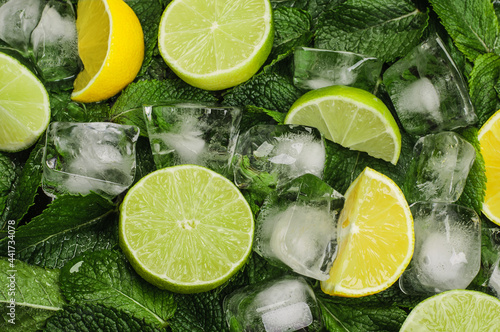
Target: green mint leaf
(128, 107)
(475, 185)
(107, 278)
(67, 227)
(342, 165)
(35, 291)
(472, 24)
(149, 13)
(386, 29)
(23, 193)
(292, 28)
(363, 314)
(485, 74)
(96, 317)
(7, 177)
(267, 90)
(314, 7)
(144, 159)
(65, 110)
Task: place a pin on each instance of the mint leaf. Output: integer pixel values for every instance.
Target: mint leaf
(475, 185)
(65, 228)
(105, 277)
(484, 76)
(342, 165)
(472, 24)
(267, 90)
(128, 107)
(96, 317)
(363, 314)
(149, 13)
(66, 110)
(7, 178)
(23, 193)
(386, 29)
(292, 29)
(35, 291)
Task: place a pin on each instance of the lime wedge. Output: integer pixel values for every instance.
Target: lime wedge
(186, 228)
(456, 310)
(351, 117)
(214, 45)
(24, 106)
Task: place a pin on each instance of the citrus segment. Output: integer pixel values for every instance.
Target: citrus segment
(24, 106)
(489, 139)
(375, 236)
(351, 117)
(215, 45)
(456, 310)
(186, 228)
(111, 47)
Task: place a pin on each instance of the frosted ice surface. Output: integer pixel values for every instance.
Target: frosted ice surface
(290, 318)
(18, 18)
(420, 97)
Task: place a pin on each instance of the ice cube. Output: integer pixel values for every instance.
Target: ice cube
(296, 227)
(54, 41)
(284, 304)
(316, 68)
(439, 168)
(283, 152)
(84, 157)
(447, 251)
(186, 133)
(428, 91)
(18, 18)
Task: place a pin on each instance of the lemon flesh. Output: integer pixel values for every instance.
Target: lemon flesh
(24, 106)
(456, 310)
(489, 139)
(351, 117)
(111, 47)
(214, 45)
(186, 228)
(375, 236)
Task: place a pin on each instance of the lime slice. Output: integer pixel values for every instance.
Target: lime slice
(186, 228)
(351, 117)
(456, 310)
(24, 106)
(214, 45)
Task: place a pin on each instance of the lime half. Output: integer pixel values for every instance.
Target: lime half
(214, 45)
(186, 228)
(454, 311)
(24, 106)
(351, 117)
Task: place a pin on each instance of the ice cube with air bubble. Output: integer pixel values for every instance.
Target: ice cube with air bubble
(189, 133)
(439, 168)
(283, 304)
(18, 18)
(297, 227)
(316, 68)
(447, 251)
(83, 157)
(276, 154)
(427, 90)
(54, 41)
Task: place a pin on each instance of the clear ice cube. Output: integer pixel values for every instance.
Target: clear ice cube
(439, 168)
(54, 41)
(284, 304)
(84, 157)
(18, 18)
(316, 68)
(447, 251)
(279, 153)
(428, 92)
(184, 133)
(296, 227)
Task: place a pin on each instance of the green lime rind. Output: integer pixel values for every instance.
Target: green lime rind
(186, 228)
(455, 310)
